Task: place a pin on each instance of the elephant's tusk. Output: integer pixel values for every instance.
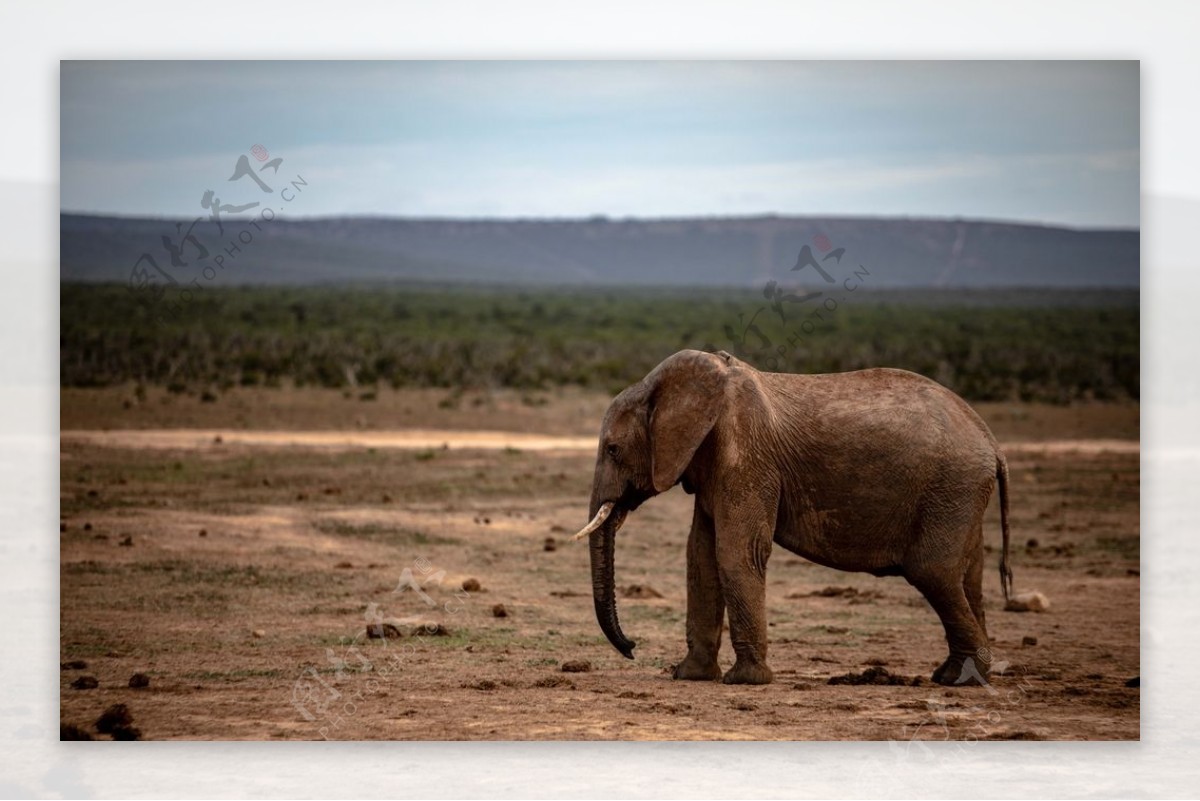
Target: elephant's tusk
(601, 515)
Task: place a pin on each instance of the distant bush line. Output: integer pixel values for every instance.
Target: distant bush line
(1043, 345)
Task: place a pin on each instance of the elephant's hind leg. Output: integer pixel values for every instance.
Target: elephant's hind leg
(973, 579)
(705, 604)
(967, 663)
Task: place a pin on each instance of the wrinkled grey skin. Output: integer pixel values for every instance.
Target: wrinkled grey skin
(879, 471)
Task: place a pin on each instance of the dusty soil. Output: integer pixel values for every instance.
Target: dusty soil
(241, 577)
(561, 411)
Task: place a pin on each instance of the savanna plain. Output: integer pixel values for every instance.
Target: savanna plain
(290, 528)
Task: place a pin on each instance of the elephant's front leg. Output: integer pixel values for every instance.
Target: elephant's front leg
(743, 547)
(705, 604)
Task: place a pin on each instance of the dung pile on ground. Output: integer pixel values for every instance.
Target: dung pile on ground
(835, 592)
(394, 629)
(381, 631)
(852, 594)
(69, 731)
(640, 591)
(118, 722)
(875, 675)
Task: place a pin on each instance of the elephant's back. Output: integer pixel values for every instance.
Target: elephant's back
(886, 412)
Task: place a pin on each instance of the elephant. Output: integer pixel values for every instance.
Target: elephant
(881, 471)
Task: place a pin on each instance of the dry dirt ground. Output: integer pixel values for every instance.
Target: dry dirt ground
(239, 572)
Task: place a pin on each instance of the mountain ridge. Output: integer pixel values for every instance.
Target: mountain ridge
(748, 251)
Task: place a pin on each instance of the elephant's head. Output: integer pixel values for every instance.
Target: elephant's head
(649, 436)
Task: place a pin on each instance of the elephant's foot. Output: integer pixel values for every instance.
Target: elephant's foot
(749, 673)
(962, 671)
(697, 669)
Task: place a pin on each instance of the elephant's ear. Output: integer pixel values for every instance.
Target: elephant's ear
(686, 400)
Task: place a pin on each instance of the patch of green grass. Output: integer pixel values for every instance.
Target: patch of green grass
(374, 532)
(199, 602)
(332, 610)
(81, 503)
(79, 650)
(201, 577)
(228, 484)
(587, 639)
(234, 675)
(645, 612)
(342, 638)
(87, 567)
(1125, 547)
(85, 641)
(490, 639)
(184, 571)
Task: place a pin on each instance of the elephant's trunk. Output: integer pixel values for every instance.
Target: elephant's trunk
(601, 544)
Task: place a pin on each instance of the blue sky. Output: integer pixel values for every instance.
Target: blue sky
(1051, 142)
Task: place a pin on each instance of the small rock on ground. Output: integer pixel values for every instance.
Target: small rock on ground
(577, 666)
(1027, 602)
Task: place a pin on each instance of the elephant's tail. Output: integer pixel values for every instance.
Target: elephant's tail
(1006, 575)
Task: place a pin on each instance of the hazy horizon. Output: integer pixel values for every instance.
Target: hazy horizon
(299, 218)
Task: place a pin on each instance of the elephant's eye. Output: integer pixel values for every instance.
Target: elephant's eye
(611, 449)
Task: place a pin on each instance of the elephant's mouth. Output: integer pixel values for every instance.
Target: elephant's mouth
(609, 516)
(632, 498)
(614, 512)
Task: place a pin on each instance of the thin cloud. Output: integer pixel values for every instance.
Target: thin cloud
(1013, 139)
